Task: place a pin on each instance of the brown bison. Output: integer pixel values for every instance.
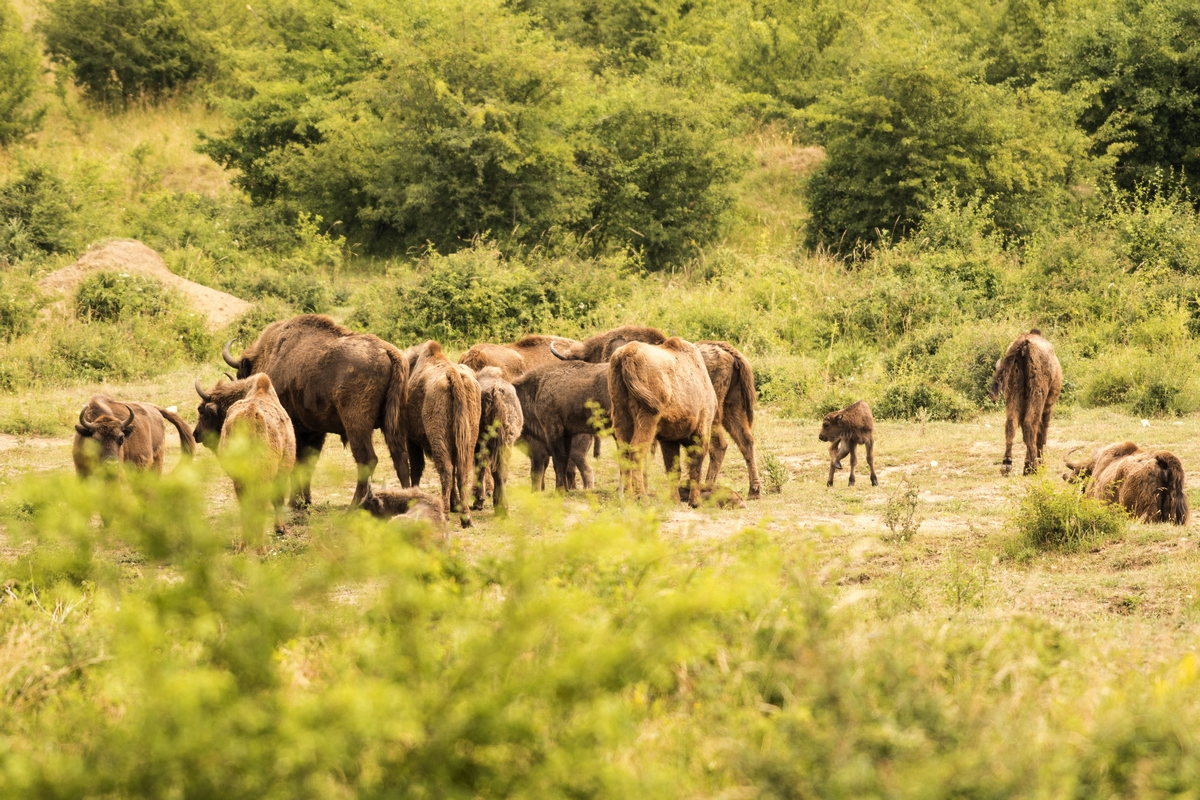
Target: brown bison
(1146, 483)
(733, 381)
(443, 422)
(500, 423)
(559, 402)
(514, 360)
(254, 439)
(112, 431)
(332, 380)
(1030, 377)
(599, 348)
(409, 504)
(661, 393)
(845, 430)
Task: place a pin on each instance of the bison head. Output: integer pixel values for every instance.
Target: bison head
(103, 439)
(210, 414)
(243, 366)
(831, 427)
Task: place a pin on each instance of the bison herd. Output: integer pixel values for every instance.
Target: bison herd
(307, 377)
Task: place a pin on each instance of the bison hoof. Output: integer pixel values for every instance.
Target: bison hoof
(477, 505)
(837, 465)
(755, 493)
(1005, 469)
(851, 481)
(466, 522)
(874, 481)
(829, 482)
(1030, 469)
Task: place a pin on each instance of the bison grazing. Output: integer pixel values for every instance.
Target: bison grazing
(845, 430)
(500, 423)
(443, 422)
(409, 504)
(599, 348)
(254, 439)
(332, 380)
(733, 381)
(558, 401)
(1030, 377)
(128, 433)
(664, 393)
(1146, 483)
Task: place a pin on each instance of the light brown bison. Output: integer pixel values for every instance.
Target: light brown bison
(599, 348)
(514, 360)
(733, 381)
(409, 504)
(661, 393)
(443, 422)
(559, 402)
(1030, 378)
(120, 432)
(254, 439)
(1146, 483)
(500, 423)
(332, 380)
(845, 430)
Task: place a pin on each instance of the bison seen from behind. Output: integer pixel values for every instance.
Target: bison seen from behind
(1030, 377)
(845, 430)
(559, 402)
(733, 381)
(500, 423)
(112, 431)
(1146, 483)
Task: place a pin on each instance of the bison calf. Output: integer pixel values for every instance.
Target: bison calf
(126, 433)
(412, 504)
(1031, 379)
(1146, 483)
(845, 430)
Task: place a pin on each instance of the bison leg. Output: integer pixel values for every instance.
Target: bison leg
(869, 446)
(1010, 432)
(670, 454)
(833, 461)
(853, 459)
(645, 426)
(363, 450)
(716, 456)
(308, 450)
(416, 464)
(499, 478)
(1031, 432)
(1043, 430)
(695, 456)
(579, 458)
(739, 430)
(539, 459)
(561, 457)
(439, 453)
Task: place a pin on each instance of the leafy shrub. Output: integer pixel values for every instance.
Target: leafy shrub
(106, 296)
(907, 394)
(118, 50)
(1147, 384)
(900, 512)
(19, 71)
(291, 282)
(1157, 227)
(20, 302)
(37, 211)
(776, 473)
(1052, 515)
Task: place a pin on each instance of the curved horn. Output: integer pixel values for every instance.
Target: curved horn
(129, 422)
(558, 354)
(228, 356)
(83, 421)
(227, 375)
(200, 391)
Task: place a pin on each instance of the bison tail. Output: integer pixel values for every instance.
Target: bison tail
(186, 441)
(1173, 504)
(745, 379)
(634, 382)
(464, 424)
(1012, 361)
(395, 410)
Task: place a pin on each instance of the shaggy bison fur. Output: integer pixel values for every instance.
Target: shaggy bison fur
(599, 348)
(443, 423)
(664, 393)
(500, 423)
(845, 430)
(1030, 377)
(733, 381)
(555, 400)
(112, 431)
(411, 504)
(332, 380)
(1146, 483)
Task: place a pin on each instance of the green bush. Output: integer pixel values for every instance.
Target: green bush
(119, 50)
(907, 394)
(1052, 515)
(110, 296)
(1157, 227)
(1148, 385)
(20, 302)
(20, 68)
(37, 211)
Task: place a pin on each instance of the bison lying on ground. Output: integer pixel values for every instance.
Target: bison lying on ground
(129, 433)
(845, 430)
(555, 401)
(1146, 483)
(332, 380)
(254, 441)
(1030, 377)
(412, 504)
(500, 423)
(664, 393)
(443, 422)
(733, 382)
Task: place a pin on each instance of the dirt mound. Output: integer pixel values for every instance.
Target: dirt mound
(135, 258)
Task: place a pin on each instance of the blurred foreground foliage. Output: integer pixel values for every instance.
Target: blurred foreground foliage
(144, 658)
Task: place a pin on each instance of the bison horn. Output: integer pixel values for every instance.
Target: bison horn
(558, 354)
(227, 375)
(200, 391)
(83, 420)
(129, 422)
(1067, 460)
(228, 356)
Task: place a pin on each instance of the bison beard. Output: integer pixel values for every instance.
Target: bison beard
(1147, 484)
(661, 393)
(1030, 377)
(332, 380)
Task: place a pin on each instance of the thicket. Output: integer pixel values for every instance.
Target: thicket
(19, 71)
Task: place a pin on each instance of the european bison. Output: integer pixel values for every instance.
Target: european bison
(599, 348)
(443, 422)
(1030, 377)
(733, 381)
(254, 439)
(661, 393)
(132, 433)
(1146, 483)
(410, 504)
(555, 401)
(500, 423)
(332, 380)
(845, 430)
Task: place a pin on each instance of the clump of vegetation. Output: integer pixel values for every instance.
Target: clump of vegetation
(775, 472)
(900, 515)
(107, 296)
(1051, 515)
(19, 70)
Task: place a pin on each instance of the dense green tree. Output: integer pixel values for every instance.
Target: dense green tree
(19, 69)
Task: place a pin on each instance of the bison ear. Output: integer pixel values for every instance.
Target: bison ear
(82, 431)
(245, 369)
